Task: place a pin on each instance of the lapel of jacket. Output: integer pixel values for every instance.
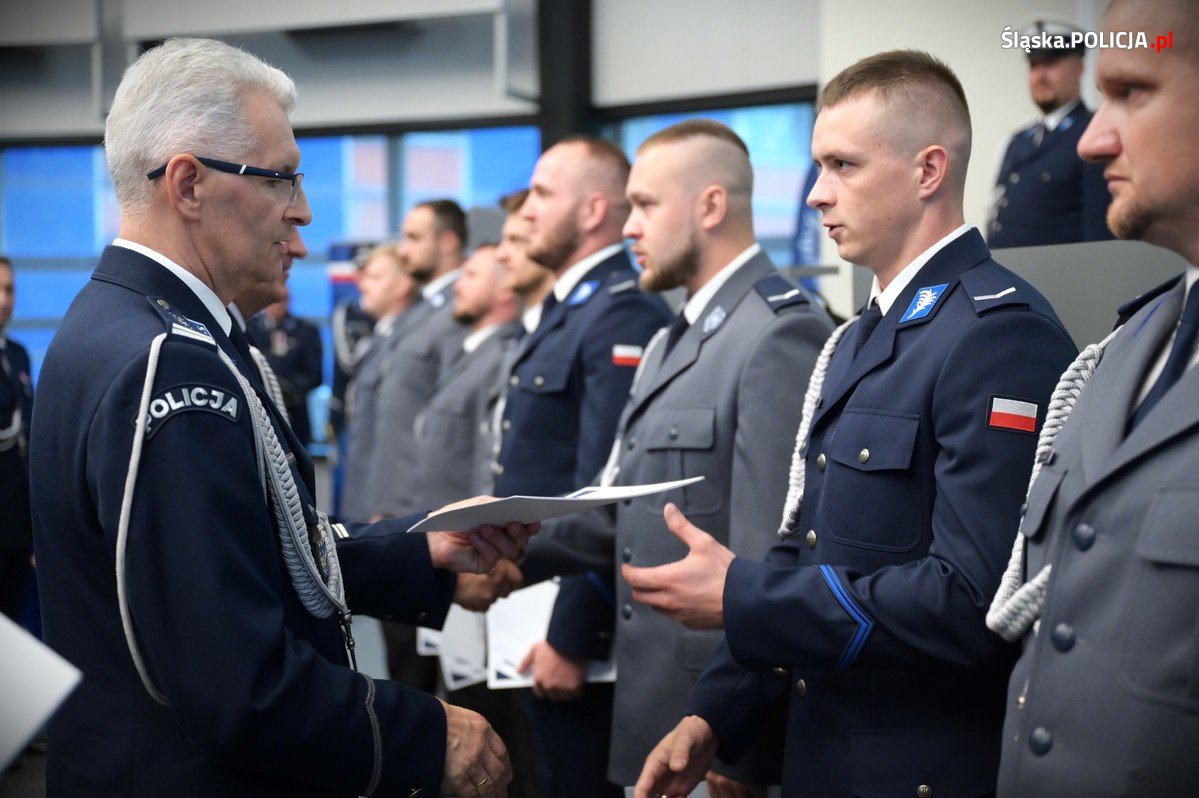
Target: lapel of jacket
(562, 310)
(686, 350)
(1105, 450)
(946, 267)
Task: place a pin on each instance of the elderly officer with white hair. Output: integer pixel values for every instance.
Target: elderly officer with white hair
(183, 567)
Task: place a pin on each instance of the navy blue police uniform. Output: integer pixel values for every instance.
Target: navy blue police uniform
(569, 382)
(1047, 193)
(293, 348)
(260, 701)
(16, 526)
(872, 612)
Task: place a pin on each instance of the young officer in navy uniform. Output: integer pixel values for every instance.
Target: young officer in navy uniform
(1104, 700)
(569, 381)
(16, 411)
(912, 457)
(705, 403)
(184, 568)
(1045, 193)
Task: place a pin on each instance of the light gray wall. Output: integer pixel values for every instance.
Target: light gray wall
(649, 50)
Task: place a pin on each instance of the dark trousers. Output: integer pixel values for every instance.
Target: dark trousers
(403, 663)
(572, 740)
(14, 578)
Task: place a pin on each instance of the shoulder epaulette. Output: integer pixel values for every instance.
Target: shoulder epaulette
(622, 286)
(991, 288)
(180, 326)
(1129, 309)
(779, 292)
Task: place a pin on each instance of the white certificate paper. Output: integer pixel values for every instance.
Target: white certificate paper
(527, 509)
(514, 624)
(36, 680)
(463, 648)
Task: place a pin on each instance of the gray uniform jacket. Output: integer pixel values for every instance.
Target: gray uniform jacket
(362, 399)
(725, 403)
(409, 375)
(453, 431)
(1105, 698)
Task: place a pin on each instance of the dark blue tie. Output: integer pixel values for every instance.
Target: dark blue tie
(870, 318)
(1176, 362)
(677, 327)
(547, 305)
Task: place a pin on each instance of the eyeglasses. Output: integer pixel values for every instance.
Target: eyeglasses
(295, 178)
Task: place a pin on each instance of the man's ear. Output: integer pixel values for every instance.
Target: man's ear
(934, 166)
(186, 184)
(713, 204)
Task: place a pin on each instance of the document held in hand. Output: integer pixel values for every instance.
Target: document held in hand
(527, 509)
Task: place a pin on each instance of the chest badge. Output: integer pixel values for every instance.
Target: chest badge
(714, 319)
(582, 293)
(924, 302)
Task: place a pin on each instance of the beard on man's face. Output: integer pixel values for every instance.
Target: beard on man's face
(671, 271)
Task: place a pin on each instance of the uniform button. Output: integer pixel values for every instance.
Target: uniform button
(801, 689)
(626, 555)
(1084, 536)
(495, 448)
(803, 449)
(514, 380)
(821, 461)
(497, 469)
(1003, 202)
(674, 433)
(924, 791)
(1014, 178)
(1046, 177)
(626, 611)
(811, 538)
(779, 671)
(1024, 509)
(997, 226)
(1063, 637)
(506, 424)
(863, 455)
(539, 380)
(1040, 741)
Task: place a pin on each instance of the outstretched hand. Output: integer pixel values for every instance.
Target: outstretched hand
(690, 590)
(678, 763)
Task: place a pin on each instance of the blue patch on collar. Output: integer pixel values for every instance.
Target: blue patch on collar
(924, 302)
(582, 293)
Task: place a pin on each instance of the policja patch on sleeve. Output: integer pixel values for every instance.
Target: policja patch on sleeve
(193, 396)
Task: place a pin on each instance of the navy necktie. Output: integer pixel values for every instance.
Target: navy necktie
(1176, 361)
(677, 327)
(870, 318)
(551, 300)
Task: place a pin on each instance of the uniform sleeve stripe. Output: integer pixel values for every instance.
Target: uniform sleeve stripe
(599, 585)
(865, 623)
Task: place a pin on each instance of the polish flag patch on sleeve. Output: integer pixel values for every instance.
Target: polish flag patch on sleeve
(626, 355)
(1012, 414)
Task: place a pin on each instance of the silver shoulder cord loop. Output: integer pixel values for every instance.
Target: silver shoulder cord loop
(270, 381)
(322, 597)
(795, 482)
(611, 470)
(1017, 604)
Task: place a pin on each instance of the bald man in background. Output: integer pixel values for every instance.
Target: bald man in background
(909, 470)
